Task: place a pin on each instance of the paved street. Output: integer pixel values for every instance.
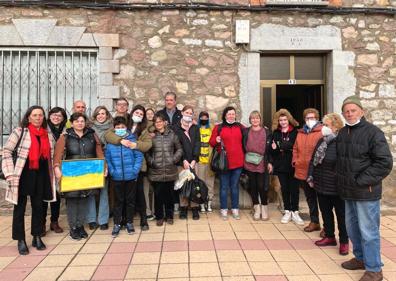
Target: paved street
(208, 249)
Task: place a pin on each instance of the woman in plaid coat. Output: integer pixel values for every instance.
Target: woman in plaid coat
(30, 174)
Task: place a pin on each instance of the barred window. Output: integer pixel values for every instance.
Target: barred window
(46, 77)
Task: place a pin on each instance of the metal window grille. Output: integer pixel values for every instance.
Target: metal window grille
(46, 77)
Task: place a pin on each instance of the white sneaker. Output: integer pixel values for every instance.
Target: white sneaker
(264, 212)
(256, 215)
(235, 214)
(176, 208)
(210, 206)
(224, 214)
(286, 217)
(296, 218)
(203, 210)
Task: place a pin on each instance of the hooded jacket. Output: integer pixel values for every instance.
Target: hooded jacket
(363, 161)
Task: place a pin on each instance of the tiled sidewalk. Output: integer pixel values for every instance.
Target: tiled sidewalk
(208, 249)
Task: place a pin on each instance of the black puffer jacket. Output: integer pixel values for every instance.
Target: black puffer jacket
(324, 174)
(191, 146)
(80, 148)
(283, 154)
(363, 161)
(163, 156)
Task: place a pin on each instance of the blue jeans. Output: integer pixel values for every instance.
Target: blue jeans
(103, 212)
(230, 180)
(362, 219)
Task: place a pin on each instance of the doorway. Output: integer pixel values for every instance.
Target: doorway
(294, 82)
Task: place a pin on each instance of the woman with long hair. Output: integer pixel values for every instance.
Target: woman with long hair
(57, 119)
(101, 122)
(30, 175)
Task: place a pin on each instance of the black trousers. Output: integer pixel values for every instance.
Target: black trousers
(76, 208)
(258, 186)
(327, 203)
(312, 200)
(163, 198)
(55, 208)
(290, 191)
(140, 198)
(18, 219)
(125, 195)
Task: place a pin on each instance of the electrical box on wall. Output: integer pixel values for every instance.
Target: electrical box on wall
(242, 31)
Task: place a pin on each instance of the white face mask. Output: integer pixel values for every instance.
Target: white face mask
(187, 119)
(136, 119)
(230, 122)
(351, 125)
(326, 131)
(311, 123)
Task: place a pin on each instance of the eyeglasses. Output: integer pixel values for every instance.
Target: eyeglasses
(122, 104)
(310, 118)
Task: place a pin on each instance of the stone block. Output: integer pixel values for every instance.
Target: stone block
(34, 32)
(107, 39)
(387, 91)
(65, 36)
(105, 79)
(87, 40)
(105, 53)
(109, 92)
(109, 103)
(112, 66)
(9, 36)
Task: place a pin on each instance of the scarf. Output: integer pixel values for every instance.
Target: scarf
(38, 149)
(101, 129)
(56, 131)
(321, 150)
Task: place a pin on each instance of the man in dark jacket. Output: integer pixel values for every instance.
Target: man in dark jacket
(170, 111)
(363, 161)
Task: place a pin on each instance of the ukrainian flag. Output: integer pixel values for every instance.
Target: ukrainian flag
(82, 174)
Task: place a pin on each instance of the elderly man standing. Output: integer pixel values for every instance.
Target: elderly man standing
(363, 161)
(78, 106)
(170, 111)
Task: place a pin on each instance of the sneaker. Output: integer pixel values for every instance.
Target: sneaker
(176, 208)
(116, 230)
(210, 206)
(224, 214)
(129, 228)
(296, 218)
(150, 217)
(286, 217)
(183, 213)
(235, 214)
(203, 210)
(74, 234)
(83, 233)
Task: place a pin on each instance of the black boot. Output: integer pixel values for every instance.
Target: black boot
(183, 213)
(22, 247)
(75, 234)
(38, 243)
(195, 213)
(143, 221)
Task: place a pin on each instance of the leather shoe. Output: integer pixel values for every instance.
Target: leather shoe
(353, 264)
(160, 222)
(54, 226)
(312, 227)
(38, 243)
(372, 276)
(344, 249)
(327, 241)
(22, 247)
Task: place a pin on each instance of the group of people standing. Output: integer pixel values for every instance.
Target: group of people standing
(338, 167)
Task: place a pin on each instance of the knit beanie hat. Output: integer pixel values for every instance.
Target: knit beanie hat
(352, 99)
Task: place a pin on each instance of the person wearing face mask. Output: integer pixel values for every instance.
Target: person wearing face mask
(189, 137)
(124, 165)
(101, 121)
(140, 128)
(363, 161)
(305, 143)
(322, 177)
(230, 133)
(203, 166)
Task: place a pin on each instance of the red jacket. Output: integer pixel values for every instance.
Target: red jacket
(232, 139)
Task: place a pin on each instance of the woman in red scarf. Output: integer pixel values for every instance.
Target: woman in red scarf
(30, 175)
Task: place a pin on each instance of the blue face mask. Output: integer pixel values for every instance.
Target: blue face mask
(120, 132)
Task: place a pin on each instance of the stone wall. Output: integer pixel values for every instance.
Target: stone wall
(191, 53)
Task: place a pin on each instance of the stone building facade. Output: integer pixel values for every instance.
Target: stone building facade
(145, 51)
